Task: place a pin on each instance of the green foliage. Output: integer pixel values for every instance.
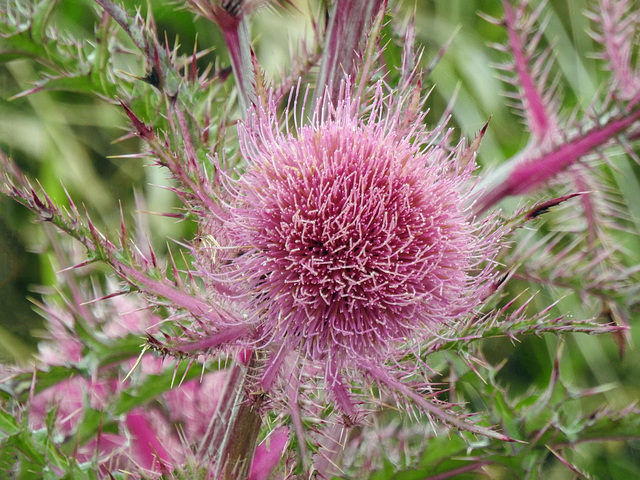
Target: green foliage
(554, 429)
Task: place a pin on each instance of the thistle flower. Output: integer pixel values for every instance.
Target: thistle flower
(355, 237)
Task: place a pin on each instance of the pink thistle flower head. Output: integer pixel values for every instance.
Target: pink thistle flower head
(355, 231)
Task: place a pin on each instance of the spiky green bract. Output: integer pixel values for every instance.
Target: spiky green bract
(354, 235)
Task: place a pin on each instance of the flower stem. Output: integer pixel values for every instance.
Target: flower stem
(346, 29)
(238, 424)
(243, 441)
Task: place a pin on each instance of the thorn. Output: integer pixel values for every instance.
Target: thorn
(30, 91)
(179, 216)
(175, 371)
(128, 156)
(78, 265)
(123, 227)
(143, 131)
(186, 371)
(145, 347)
(131, 75)
(544, 207)
(469, 152)
(105, 297)
(154, 260)
(176, 275)
(193, 73)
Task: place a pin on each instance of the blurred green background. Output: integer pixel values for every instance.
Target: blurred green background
(67, 139)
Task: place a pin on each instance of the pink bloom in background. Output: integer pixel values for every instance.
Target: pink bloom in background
(71, 398)
(268, 454)
(157, 437)
(355, 235)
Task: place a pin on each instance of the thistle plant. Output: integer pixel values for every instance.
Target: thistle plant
(347, 267)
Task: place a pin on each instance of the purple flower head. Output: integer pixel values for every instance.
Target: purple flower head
(355, 232)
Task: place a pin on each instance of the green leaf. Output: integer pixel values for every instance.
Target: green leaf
(80, 83)
(19, 385)
(439, 449)
(30, 444)
(611, 425)
(386, 472)
(20, 45)
(40, 19)
(93, 421)
(8, 425)
(506, 415)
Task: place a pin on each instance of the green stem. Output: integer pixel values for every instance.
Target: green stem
(238, 424)
(243, 441)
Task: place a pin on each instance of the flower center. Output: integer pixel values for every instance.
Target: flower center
(353, 238)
